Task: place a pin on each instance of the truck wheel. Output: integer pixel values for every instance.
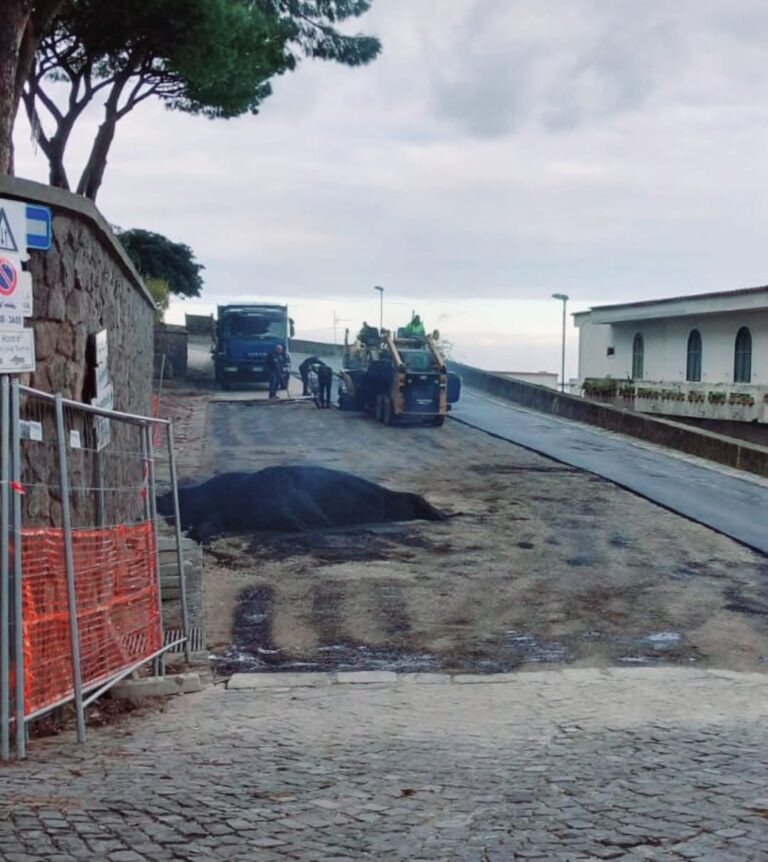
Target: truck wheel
(378, 412)
(225, 384)
(437, 422)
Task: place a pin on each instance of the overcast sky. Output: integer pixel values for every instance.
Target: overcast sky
(497, 152)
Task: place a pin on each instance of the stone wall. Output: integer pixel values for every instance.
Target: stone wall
(318, 348)
(84, 284)
(171, 342)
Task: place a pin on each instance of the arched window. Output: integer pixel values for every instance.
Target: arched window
(638, 356)
(693, 365)
(742, 359)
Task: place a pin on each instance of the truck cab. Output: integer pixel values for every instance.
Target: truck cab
(245, 336)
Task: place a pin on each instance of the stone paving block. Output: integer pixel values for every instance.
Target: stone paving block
(136, 690)
(365, 677)
(489, 678)
(548, 767)
(424, 678)
(249, 681)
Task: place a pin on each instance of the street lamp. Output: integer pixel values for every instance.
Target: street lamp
(381, 308)
(564, 300)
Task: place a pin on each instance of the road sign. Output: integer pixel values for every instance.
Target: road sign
(15, 293)
(13, 229)
(17, 351)
(9, 276)
(39, 232)
(7, 239)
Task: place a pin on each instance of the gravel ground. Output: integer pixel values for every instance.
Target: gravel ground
(543, 564)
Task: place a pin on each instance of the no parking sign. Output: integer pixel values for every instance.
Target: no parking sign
(9, 277)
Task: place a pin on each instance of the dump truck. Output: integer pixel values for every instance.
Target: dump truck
(245, 335)
(398, 379)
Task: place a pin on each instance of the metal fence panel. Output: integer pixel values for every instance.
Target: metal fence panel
(80, 594)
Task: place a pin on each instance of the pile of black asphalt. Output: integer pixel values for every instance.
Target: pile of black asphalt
(291, 499)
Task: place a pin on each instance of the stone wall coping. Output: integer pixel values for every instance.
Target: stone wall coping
(59, 199)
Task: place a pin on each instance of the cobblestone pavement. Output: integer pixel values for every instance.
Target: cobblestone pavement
(578, 764)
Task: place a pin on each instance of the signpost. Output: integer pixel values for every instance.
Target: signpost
(17, 346)
(22, 226)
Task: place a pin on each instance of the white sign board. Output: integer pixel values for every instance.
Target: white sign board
(17, 351)
(13, 228)
(30, 430)
(102, 353)
(105, 400)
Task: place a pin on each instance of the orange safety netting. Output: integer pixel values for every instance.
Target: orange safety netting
(118, 609)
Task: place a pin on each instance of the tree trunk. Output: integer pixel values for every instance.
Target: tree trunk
(57, 173)
(38, 23)
(15, 15)
(93, 173)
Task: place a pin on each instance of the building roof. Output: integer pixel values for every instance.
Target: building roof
(720, 302)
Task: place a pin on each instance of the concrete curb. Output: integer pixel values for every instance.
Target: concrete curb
(136, 690)
(585, 676)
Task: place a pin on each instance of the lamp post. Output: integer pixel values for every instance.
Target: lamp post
(381, 308)
(564, 299)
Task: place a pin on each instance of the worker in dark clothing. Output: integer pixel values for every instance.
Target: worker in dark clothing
(324, 380)
(305, 368)
(276, 367)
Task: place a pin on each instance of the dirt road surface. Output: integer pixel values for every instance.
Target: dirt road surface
(542, 563)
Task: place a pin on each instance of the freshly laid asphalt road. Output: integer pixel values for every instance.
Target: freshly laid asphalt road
(727, 503)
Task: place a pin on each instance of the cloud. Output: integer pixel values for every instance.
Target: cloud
(504, 150)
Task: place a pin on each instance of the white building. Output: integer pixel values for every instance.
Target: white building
(704, 355)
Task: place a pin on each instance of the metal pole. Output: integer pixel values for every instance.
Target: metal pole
(18, 602)
(101, 509)
(5, 662)
(74, 629)
(179, 549)
(562, 357)
(160, 383)
(151, 516)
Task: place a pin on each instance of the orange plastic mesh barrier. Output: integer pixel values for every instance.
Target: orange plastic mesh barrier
(117, 607)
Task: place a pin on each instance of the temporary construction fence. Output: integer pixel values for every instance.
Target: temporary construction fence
(80, 603)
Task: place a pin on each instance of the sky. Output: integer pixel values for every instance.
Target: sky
(497, 152)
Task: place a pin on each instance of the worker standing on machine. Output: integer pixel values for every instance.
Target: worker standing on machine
(415, 328)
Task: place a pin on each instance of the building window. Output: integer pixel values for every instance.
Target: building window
(693, 365)
(638, 356)
(742, 360)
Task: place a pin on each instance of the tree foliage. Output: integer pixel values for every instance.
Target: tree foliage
(159, 259)
(213, 58)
